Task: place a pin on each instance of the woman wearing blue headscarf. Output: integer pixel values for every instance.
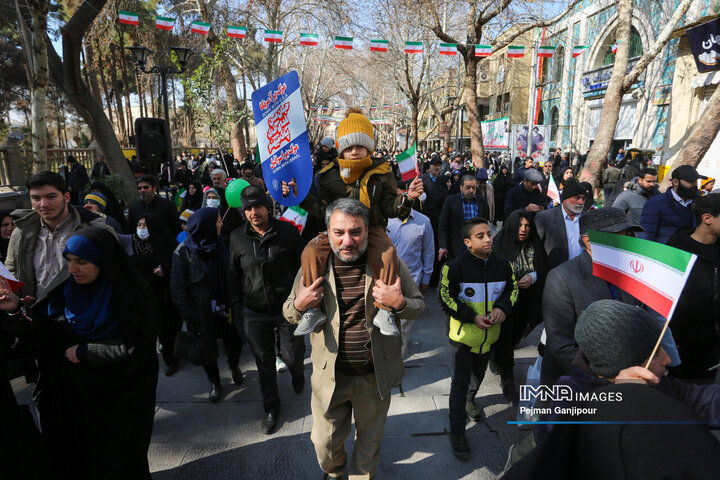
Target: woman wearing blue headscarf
(94, 340)
(199, 280)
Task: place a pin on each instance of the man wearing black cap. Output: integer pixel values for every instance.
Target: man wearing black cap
(559, 228)
(264, 257)
(527, 195)
(665, 214)
(571, 287)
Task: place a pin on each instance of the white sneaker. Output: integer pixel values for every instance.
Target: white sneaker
(280, 365)
(310, 321)
(385, 321)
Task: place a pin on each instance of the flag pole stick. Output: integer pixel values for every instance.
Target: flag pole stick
(657, 345)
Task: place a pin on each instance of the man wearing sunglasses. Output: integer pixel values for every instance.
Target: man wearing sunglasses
(151, 202)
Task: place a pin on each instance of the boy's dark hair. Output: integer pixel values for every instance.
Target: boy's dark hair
(44, 178)
(470, 224)
(648, 171)
(71, 159)
(709, 204)
(149, 179)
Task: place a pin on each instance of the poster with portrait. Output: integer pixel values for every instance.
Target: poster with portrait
(540, 149)
(496, 133)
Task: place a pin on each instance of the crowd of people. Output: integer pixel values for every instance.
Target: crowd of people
(103, 291)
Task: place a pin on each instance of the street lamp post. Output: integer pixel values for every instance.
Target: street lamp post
(140, 55)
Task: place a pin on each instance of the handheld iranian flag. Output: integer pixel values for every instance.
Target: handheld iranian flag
(578, 50)
(128, 18)
(614, 47)
(344, 43)
(236, 32)
(309, 39)
(546, 51)
(413, 47)
(552, 191)
(407, 164)
(8, 280)
(483, 50)
(164, 23)
(378, 45)
(652, 272)
(516, 51)
(297, 216)
(448, 49)
(273, 36)
(201, 28)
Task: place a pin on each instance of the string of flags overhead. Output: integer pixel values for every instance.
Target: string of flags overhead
(347, 43)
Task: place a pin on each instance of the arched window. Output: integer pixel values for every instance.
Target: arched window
(558, 64)
(541, 118)
(636, 48)
(554, 120)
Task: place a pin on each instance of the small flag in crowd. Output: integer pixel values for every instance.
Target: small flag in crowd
(448, 49)
(309, 39)
(200, 27)
(483, 50)
(578, 50)
(516, 51)
(413, 47)
(378, 45)
(344, 43)
(236, 32)
(546, 51)
(128, 18)
(164, 23)
(12, 283)
(273, 36)
(552, 191)
(652, 272)
(614, 47)
(407, 164)
(297, 216)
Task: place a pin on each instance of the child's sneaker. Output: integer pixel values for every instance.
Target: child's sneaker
(310, 320)
(385, 321)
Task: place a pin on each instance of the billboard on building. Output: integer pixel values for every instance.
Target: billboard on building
(496, 133)
(540, 148)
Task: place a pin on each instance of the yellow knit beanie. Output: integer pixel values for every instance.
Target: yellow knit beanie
(355, 129)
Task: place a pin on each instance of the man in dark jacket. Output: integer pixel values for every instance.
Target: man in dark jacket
(665, 214)
(527, 195)
(100, 169)
(77, 179)
(632, 200)
(264, 258)
(696, 321)
(457, 210)
(151, 202)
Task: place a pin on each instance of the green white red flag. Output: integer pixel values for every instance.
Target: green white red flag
(448, 49)
(407, 164)
(309, 39)
(652, 272)
(578, 50)
(344, 43)
(552, 191)
(483, 50)
(273, 36)
(201, 28)
(516, 51)
(164, 23)
(614, 47)
(413, 47)
(546, 51)
(297, 216)
(128, 18)
(377, 45)
(236, 32)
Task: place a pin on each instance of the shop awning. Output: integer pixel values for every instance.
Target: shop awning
(704, 79)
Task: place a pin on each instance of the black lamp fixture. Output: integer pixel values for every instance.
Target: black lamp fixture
(182, 54)
(140, 54)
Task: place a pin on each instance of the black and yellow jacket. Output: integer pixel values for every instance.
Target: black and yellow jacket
(472, 286)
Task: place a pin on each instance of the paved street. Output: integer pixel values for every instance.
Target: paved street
(194, 439)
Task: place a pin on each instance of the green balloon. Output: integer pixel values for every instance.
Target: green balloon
(233, 190)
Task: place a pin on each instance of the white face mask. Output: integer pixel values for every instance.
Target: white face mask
(213, 202)
(143, 233)
(422, 197)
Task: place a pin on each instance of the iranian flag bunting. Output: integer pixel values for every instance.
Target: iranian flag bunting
(297, 216)
(386, 106)
(128, 18)
(614, 47)
(483, 50)
(378, 45)
(273, 36)
(164, 23)
(413, 47)
(344, 43)
(309, 39)
(448, 49)
(236, 32)
(516, 51)
(373, 107)
(578, 50)
(652, 272)
(200, 27)
(313, 107)
(407, 164)
(546, 51)
(398, 104)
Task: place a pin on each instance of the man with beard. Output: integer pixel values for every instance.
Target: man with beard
(633, 200)
(457, 210)
(248, 174)
(559, 227)
(665, 214)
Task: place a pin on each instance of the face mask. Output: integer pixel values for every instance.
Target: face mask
(143, 233)
(213, 202)
(687, 193)
(422, 197)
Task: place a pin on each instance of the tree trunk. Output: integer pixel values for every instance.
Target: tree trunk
(613, 98)
(40, 81)
(415, 123)
(476, 139)
(91, 65)
(118, 96)
(126, 82)
(699, 140)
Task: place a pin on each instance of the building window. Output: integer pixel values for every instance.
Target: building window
(559, 64)
(554, 120)
(636, 48)
(541, 118)
(506, 101)
(498, 103)
(545, 70)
